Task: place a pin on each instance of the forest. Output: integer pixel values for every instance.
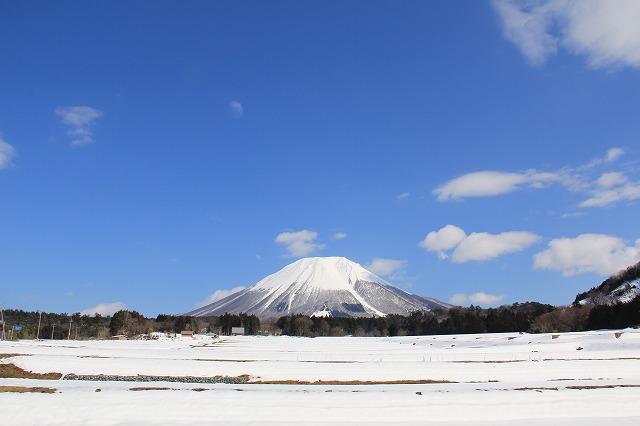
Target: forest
(530, 317)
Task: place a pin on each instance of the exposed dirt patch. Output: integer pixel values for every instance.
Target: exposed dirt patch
(146, 388)
(539, 389)
(11, 371)
(25, 389)
(629, 358)
(587, 387)
(488, 362)
(11, 355)
(349, 382)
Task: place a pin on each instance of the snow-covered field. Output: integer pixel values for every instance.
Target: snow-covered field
(533, 379)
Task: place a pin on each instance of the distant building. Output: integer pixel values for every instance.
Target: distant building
(237, 331)
(186, 333)
(120, 337)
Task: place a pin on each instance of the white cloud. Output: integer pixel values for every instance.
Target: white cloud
(479, 184)
(300, 243)
(104, 309)
(572, 215)
(611, 191)
(403, 196)
(609, 188)
(218, 295)
(492, 183)
(339, 236)
(597, 253)
(527, 29)
(386, 267)
(479, 298)
(7, 152)
(444, 239)
(478, 246)
(236, 109)
(81, 120)
(606, 32)
(609, 180)
(612, 155)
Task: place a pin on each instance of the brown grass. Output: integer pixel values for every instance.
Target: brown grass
(11, 355)
(146, 388)
(540, 389)
(587, 387)
(25, 389)
(11, 371)
(349, 382)
(488, 362)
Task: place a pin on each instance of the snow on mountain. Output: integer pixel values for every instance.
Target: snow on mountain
(621, 287)
(624, 293)
(311, 284)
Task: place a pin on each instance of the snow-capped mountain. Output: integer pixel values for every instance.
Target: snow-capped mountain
(622, 287)
(313, 284)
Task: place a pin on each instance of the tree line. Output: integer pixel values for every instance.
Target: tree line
(458, 320)
(124, 322)
(522, 317)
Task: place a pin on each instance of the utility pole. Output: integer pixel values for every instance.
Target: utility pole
(2, 322)
(69, 335)
(39, 321)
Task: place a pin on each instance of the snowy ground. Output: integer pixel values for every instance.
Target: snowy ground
(563, 379)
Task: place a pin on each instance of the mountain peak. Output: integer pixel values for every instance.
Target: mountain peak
(310, 284)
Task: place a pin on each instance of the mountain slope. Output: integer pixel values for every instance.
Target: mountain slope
(620, 287)
(310, 284)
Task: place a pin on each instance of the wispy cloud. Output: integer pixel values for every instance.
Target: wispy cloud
(339, 236)
(300, 243)
(492, 183)
(236, 109)
(606, 32)
(104, 309)
(80, 120)
(477, 246)
(597, 253)
(7, 152)
(607, 189)
(403, 196)
(479, 298)
(218, 295)
(387, 267)
(611, 189)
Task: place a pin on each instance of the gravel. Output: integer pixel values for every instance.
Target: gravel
(238, 380)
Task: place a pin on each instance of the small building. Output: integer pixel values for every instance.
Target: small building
(237, 331)
(120, 337)
(186, 333)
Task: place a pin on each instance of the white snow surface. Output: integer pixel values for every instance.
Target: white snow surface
(308, 284)
(588, 378)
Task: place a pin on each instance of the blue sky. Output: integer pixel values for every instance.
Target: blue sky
(157, 154)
